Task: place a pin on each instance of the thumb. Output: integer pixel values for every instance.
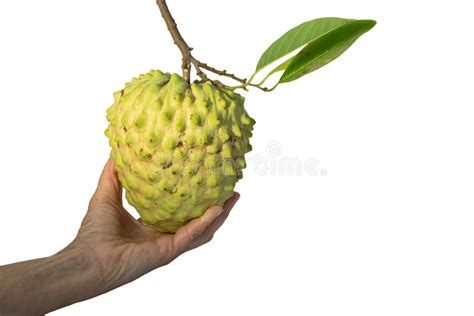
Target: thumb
(109, 187)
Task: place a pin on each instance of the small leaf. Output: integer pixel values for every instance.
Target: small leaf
(280, 67)
(298, 37)
(325, 49)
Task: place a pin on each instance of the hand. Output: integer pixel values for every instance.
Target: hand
(124, 248)
(111, 248)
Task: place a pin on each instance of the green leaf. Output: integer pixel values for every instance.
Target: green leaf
(325, 49)
(298, 37)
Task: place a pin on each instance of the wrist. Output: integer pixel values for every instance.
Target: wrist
(75, 276)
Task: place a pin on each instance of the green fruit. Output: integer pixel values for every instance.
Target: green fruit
(178, 148)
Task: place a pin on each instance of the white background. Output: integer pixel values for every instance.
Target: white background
(388, 230)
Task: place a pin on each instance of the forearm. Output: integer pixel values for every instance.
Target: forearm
(39, 286)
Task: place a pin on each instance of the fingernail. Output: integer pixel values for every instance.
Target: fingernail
(236, 196)
(229, 205)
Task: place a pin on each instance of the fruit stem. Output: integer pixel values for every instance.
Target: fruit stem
(189, 60)
(177, 38)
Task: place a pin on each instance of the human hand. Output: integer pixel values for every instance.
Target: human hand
(111, 249)
(123, 248)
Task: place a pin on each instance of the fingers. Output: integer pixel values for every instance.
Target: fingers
(217, 223)
(185, 236)
(109, 186)
(195, 233)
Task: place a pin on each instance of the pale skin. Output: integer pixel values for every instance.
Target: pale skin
(111, 249)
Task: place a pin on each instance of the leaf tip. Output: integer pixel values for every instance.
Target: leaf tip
(371, 23)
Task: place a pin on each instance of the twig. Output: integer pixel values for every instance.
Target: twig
(189, 60)
(220, 72)
(264, 89)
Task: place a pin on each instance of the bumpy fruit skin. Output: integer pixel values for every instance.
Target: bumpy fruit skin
(178, 148)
